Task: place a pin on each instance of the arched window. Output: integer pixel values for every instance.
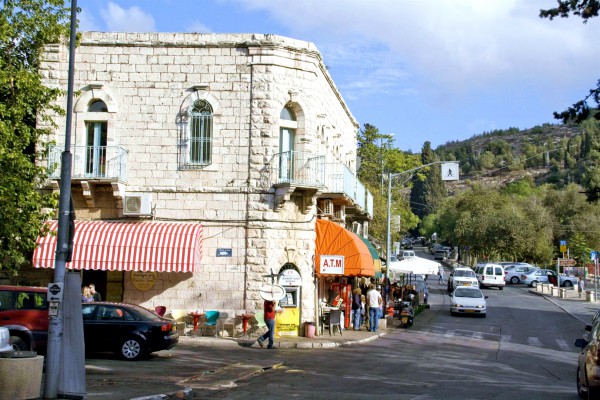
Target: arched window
(200, 132)
(287, 136)
(96, 136)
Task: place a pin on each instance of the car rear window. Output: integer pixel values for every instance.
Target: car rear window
(464, 273)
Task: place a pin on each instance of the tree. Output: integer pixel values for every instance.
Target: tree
(586, 9)
(428, 189)
(25, 28)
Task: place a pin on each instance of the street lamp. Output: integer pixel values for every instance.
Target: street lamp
(451, 174)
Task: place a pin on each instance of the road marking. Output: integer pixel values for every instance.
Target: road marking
(563, 344)
(534, 341)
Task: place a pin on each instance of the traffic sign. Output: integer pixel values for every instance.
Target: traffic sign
(55, 292)
(566, 262)
(593, 255)
(563, 246)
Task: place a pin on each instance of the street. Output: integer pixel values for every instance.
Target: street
(523, 349)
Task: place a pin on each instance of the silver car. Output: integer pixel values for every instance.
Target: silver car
(4, 337)
(512, 273)
(588, 372)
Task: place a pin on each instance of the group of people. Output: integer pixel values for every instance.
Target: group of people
(360, 302)
(89, 294)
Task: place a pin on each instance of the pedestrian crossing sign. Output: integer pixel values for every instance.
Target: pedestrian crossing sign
(450, 171)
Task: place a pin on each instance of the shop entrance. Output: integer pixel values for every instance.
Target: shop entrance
(108, 283)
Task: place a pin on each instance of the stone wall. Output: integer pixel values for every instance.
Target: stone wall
(147, 80)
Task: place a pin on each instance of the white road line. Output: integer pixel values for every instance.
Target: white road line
(534, 341)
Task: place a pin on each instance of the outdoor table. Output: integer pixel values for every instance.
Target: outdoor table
(245, 318)
(195, 318)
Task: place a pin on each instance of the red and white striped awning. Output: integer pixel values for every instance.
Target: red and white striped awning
(127, 246)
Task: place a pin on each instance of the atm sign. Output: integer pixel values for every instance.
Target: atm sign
(332, 265)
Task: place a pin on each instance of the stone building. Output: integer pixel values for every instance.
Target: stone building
(243, 136)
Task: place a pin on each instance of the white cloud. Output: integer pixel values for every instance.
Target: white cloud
(87, 21)
(451, 46)
(133, 19)
(198, 27)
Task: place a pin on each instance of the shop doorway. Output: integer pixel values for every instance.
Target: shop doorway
(108, 283)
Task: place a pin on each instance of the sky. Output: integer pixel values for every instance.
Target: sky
(437, 71)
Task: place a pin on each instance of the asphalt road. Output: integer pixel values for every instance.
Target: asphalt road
(522, 350)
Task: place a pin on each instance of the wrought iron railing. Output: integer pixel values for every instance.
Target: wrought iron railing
(297, 168)
(91, 162)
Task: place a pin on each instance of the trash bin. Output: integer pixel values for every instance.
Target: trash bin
(309, 329)
(590, 296)
(20, 375)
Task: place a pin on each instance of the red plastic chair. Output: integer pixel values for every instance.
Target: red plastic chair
(160, 310)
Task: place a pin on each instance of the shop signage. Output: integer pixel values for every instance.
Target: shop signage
(143, 280)
(331, 265)
(290, 277)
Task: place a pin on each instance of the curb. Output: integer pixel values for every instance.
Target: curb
(558, 304)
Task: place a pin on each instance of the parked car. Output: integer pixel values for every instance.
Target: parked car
(24, 311)
(462, 276)
(4, 340)
(439, 254)
(468, 300)
(490, 275)
(543, 275)
(512, 273)
(588, 363)
(131, 331)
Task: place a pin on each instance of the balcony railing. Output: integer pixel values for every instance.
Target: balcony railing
(91, 162)
(297, 168)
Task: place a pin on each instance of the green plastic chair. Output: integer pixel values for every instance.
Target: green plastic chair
(212, 319)
(260, 319)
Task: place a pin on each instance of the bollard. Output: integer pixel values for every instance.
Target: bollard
(590, 296)
(562, 293)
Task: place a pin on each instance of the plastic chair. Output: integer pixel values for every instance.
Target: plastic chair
(212, 319)
(335, 319)
(259, 316)
(160, 310)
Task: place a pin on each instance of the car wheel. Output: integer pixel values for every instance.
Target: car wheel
(501, 287)
(18, 344)
(132, 349)
(514, 280)
(533, 284)
(568, 284)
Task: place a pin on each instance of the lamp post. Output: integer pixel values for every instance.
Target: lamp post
(449, 176)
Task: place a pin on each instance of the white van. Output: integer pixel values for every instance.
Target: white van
(490, 275)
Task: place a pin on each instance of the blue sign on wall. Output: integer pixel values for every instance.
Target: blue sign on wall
(224, 252)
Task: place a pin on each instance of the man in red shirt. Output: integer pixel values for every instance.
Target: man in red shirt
(269, 308)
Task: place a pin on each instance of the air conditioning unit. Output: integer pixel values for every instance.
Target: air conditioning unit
(357, 228)
(327, 207)
(137, 204)
(366, 229)
(340, 213)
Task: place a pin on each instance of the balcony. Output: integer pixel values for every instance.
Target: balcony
(92, 166)
(295, 172)
(309, 175)
(343, 187)
(91, 163)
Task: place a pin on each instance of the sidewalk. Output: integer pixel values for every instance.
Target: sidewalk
(578, 307)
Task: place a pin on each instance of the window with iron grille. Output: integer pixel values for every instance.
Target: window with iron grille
(199, 134)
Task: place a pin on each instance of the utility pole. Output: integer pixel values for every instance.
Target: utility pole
(55, 328)
(452, 174)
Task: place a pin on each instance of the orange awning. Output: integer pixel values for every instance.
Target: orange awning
(127, 246)
(332, 239)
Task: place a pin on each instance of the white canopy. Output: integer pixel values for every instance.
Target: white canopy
(413, 265)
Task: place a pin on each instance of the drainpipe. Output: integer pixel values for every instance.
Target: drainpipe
(247, 219)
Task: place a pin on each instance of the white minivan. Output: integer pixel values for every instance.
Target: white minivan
(490, 275)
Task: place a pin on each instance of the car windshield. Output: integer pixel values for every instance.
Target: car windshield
(467, 273)
(471, 293)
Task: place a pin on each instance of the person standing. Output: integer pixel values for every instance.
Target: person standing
(356, 308)
(375, 301)
(97, 296)
(441, 274)
(86, 295)
(269, 309)
(580, 286)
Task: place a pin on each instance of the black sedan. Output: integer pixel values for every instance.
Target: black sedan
(129, 330)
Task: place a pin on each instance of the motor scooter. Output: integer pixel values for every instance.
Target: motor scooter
(407, 314)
